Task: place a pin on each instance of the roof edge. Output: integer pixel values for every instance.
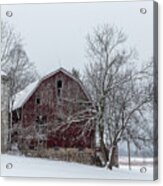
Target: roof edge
(50, 75)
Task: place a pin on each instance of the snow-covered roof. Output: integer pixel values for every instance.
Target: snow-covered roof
(22, 97)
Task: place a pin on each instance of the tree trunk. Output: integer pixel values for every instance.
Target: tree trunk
(102, 146)
(10, 124)
(129, 155)
(104, 151)
(101, 131)
(111, 163)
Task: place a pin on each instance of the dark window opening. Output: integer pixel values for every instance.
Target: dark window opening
(40, 141)
(59, 88)
(59, 84)
(37, 119)
(38, 100)
(59, 92)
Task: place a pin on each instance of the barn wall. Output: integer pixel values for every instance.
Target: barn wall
(56, 108)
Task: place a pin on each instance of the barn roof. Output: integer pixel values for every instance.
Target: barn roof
(22, 97)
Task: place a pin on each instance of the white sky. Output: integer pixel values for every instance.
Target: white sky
(54, 34)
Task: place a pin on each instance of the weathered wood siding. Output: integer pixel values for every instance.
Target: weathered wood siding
(56, 107)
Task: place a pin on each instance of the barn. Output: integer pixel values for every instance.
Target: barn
(55, 112)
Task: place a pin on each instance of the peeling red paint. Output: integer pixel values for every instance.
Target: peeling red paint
(55, 106)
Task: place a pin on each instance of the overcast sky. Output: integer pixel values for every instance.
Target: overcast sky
(54, 34)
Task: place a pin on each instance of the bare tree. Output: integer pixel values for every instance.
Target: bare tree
(128, 106)
(9, 39)
(111, 78)
(15, 63)
(20, 71)
(105, 62)
(76, 73)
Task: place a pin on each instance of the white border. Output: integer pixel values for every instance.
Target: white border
(59, 182)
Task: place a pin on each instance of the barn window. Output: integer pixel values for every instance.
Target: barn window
(59, 92)
(38, 100)
(59, 84)
(38, 119)
(59, 88)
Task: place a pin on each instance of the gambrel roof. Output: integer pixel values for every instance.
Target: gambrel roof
(22, 97)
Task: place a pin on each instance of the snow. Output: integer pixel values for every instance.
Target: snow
(136, 160)
(23, 95)
(36, 167)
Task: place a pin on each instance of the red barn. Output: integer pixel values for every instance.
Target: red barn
(56, 110)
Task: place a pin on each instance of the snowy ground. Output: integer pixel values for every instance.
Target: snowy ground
(136, 161)
(35, 167)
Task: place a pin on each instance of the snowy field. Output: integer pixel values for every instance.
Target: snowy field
(36, 167)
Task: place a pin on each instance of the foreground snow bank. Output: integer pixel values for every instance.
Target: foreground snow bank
(36, 167)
